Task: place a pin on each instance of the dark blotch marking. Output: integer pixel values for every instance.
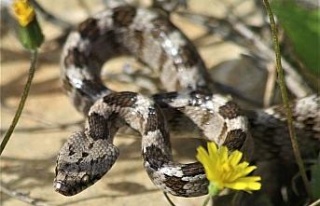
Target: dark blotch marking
(230, 110)
(189, 55)
(155, 157)
(71, 152)
(92, 162)
(139, 38)
(123, 15)
(90, 146)
(189, 170)
(70, 147)
(75, 57)
(123, 99)
(89, 29)
(164, 99)
(66, 165)
(309, 123)
(79, 162)
(84, 154)
(161, 25)
(93, 88)
(97, 126)
(152, 121)
(235, 139)
(192, 169)
(156, 121)
(175, 183)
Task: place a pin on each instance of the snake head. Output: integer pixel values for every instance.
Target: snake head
(81, 162)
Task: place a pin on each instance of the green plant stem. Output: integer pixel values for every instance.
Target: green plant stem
(34, 57)
(206, 201)
(168, 198)
(285, 100)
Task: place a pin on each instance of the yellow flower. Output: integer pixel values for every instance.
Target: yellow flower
(226, 171)
(29, 30)
(23, 11)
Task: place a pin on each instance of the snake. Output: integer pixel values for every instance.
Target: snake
(189, 101)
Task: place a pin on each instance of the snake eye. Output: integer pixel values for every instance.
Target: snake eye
(85, 178)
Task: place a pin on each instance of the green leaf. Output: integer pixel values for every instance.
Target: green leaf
(303, 29)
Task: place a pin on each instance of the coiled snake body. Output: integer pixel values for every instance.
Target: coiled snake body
(150, 37)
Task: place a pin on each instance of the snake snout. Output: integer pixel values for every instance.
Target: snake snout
(62, 189)
(71, 183)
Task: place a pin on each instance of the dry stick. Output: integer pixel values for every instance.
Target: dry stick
(44, 123)
(315, 203)
(168, 199)
(284, 94)
(50, 17)
(30, 115)
(206, 201)
(34, 57)
(293, 79)
(85, 7)
(270, 85)
(21, 196)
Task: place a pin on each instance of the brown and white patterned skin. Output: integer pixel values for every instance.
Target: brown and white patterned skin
(150, 37)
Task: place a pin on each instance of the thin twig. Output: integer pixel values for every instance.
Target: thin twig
(284, 94)
(315, 203)
(270, 85)
(84, 6)
(34, 57)
(293, 79)
(50, 17)
(21, 196)
(37, 118)
(206, 201)
(57, 127)
(168, 198)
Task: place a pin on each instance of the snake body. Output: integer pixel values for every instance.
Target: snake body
(150, 37)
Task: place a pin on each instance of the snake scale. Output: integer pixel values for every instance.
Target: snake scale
(150, 37)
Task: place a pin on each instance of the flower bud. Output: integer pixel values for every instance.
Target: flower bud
(29, 30)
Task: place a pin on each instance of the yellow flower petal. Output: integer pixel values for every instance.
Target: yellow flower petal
(23, 12)
(246, 183)
(223, 154)
(235, 157)
(212, 149)
(226, 171)
(243, 171)
(203, 157)
(248, 170)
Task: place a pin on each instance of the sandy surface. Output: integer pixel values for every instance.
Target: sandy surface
(28, 162)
